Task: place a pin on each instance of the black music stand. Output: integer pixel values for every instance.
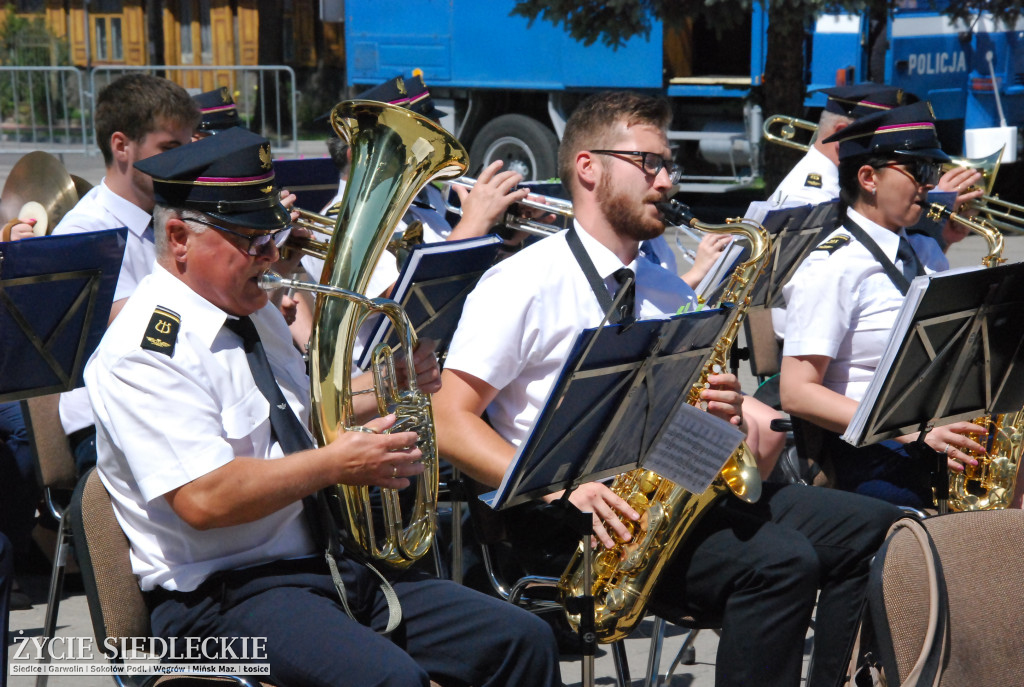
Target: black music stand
(956, 352)
(795, 232)
(432, 288)
(619, 390)
(55, 297)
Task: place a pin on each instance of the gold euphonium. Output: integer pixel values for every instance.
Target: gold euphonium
(624, 577)
(394, 153)
(989, 484)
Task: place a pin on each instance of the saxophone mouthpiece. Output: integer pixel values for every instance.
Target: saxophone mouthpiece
(677, 214)
(270, 281)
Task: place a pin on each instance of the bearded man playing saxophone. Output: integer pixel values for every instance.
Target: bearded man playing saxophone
(757, 567)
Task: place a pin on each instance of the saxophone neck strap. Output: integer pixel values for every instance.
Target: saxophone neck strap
(604, 299)
(895, 276)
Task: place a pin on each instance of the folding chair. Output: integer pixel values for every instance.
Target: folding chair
(56, 467)
(116, 604)
(981, 557)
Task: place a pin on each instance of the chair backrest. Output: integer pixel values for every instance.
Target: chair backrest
(764, 347)
(982, 558)
(50, 444)
(116, 603)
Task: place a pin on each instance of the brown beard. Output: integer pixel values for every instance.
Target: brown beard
(626, 215)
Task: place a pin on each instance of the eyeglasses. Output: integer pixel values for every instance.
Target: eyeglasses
(651, 163)
(256, 243)
(921, 173)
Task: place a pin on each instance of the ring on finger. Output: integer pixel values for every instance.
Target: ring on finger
(394, 471)
(946, 450)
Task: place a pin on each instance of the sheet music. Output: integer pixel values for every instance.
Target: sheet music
(904, 318)
(693, 448)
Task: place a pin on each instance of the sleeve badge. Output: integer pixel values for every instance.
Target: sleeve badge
(162, 332)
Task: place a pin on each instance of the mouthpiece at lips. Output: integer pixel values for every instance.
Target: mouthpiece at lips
(676, 213)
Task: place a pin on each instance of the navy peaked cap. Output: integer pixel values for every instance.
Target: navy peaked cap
(229, 176)
(860, 100)
(218, 110)
(907, 130)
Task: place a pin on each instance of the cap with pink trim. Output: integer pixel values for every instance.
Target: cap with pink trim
(902, 131)
(229, 176)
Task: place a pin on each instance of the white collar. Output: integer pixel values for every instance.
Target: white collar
(887, 240)
(605, 261)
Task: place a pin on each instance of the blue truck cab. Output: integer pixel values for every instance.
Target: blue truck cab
(507, 84)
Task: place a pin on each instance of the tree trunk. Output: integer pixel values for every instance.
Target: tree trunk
(783, 82)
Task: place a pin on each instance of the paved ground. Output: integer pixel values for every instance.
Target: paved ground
(74, 621)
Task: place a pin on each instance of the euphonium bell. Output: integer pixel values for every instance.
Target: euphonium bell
(394, 153)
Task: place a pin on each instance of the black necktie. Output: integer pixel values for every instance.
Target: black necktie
(906, 254)
(285, 426)
(624, 275)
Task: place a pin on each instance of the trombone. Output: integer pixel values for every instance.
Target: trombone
(998, 212)
(787, 131)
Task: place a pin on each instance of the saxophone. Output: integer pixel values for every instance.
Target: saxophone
(989, 484)
(624, 577)
(394, 153)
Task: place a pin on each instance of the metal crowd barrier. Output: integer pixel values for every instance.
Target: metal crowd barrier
(52, 108)
(44, 108)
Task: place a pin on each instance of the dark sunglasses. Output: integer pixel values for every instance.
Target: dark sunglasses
(256, 243)
(651, 163)
(922, 173)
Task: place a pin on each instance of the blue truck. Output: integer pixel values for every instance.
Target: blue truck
(507, 85)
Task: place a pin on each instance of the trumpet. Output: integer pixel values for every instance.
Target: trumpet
(787, 131)
(559, 207)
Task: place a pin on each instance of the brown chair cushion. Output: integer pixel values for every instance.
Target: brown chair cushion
(50, 443)
(982, 557)
(123, 609)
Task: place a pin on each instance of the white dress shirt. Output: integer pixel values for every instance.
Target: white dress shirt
(814, 180)
(841, 304)
(521, 320)
(164, 419)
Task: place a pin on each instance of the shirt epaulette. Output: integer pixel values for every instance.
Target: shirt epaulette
(833, 244)
(813, 180)
(162, 332)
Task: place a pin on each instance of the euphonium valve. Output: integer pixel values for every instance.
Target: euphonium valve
(394, 153)
(624, 577)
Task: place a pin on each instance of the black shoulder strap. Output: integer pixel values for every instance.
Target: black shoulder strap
(597, 285)
(895, 276)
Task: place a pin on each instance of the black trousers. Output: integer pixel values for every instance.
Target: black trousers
(758, 568)
(448, 633)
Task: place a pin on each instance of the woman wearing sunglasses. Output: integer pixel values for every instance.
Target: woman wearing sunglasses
(843, 301)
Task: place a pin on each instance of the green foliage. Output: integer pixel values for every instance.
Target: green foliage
(614, 22)
(31, 97)
(26, 42)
